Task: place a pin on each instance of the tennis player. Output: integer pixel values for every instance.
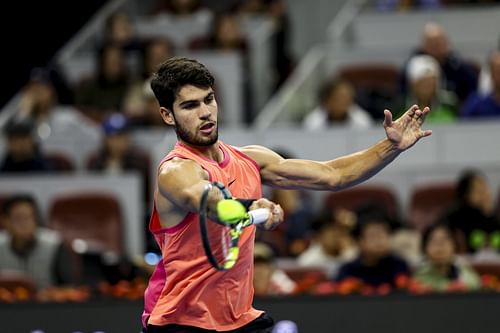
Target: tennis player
(185, 293)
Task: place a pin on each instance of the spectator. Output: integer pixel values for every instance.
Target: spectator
(181, 9)
(27, 247)
(291, 237)
(423, 74)
(332, 244)
(375, 264)
(39, 102)
(226, 36)
(117, 154)
(337, 107)
(268, 279)
(457, 75)
(484, 106)
(23, 153)
(472, 217)
(138, 102)
(442, 270)
(282, 58)
(119, 30)
(105, 92)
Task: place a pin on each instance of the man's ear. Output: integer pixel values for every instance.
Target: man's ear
(167, 116)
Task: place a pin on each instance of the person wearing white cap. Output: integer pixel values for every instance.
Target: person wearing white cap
(424, 89)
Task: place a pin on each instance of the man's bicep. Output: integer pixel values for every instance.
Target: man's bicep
(182, 182)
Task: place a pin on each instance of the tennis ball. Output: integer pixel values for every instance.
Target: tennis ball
(477, 239)
(495, 240)
(230, 211)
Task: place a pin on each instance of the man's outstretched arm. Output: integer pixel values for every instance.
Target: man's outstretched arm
(347, 170)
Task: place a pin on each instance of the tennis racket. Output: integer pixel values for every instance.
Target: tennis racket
(220, 238)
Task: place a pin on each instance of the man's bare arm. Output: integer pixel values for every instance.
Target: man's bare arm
(330, 175)
(344, 171)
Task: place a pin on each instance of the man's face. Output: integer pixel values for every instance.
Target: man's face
(375, 240)
(194, 116)
(21, 222)
(440, 249)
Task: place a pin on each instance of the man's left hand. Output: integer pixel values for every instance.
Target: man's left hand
(407, 130)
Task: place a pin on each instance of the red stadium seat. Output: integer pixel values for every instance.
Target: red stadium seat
(429, 202)
(92, 217)
(362, 195)
(373, 76)
(60, 162)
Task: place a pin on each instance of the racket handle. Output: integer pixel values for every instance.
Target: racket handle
(258, 216)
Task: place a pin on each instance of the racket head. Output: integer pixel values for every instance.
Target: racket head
(220, 241)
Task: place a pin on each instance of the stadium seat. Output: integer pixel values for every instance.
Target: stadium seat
(376, 85)
(377, 76)
(362, 195)
(95, 218)
(60, 162)
(428, 202)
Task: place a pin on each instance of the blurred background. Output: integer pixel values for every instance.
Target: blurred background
(413, 248)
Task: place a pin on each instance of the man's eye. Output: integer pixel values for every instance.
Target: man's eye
(209, 99)
(190, 106)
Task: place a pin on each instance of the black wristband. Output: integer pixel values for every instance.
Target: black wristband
(245, 202)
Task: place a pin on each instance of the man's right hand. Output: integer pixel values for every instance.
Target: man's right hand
(276, 215)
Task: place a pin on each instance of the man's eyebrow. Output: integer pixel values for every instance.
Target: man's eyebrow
(211, 93)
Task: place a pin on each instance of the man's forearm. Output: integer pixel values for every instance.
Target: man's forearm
(358, 167)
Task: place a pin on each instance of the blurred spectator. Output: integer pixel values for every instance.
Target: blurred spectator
(104, 92)
(424, 89)
(119, 30)
(283, 61)
(39, 102)
(269, 280)
(457, 75)
(117, 154)
(181, 9)
(23, 153)
(443, 270)
(226, 36)
(27, 247)
(375, 265)
(407, 5)
(337, 107)
(291, 237)
(139, 98)
(472, 217)
(483, 106)
(332, 244)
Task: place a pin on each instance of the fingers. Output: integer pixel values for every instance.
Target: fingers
(426, 133)
(387, 118)
(411, 110)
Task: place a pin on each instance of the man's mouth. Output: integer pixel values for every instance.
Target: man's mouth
(207, 128)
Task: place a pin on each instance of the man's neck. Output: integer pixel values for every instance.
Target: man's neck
(212, 152)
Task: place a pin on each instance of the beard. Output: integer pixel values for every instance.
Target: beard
(192, 139)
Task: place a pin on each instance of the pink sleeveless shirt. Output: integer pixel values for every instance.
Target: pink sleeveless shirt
(184, 288)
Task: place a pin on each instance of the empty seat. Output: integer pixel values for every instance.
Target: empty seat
(363, 195)
(428, 203)
(377, 76)
(95, 218)
(60, 162)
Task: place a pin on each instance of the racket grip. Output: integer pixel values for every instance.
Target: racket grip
(258, 216)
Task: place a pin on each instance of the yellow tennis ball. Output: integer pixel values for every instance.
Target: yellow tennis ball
(230, 211)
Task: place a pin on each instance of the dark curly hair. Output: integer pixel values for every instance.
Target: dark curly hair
(175, 73)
